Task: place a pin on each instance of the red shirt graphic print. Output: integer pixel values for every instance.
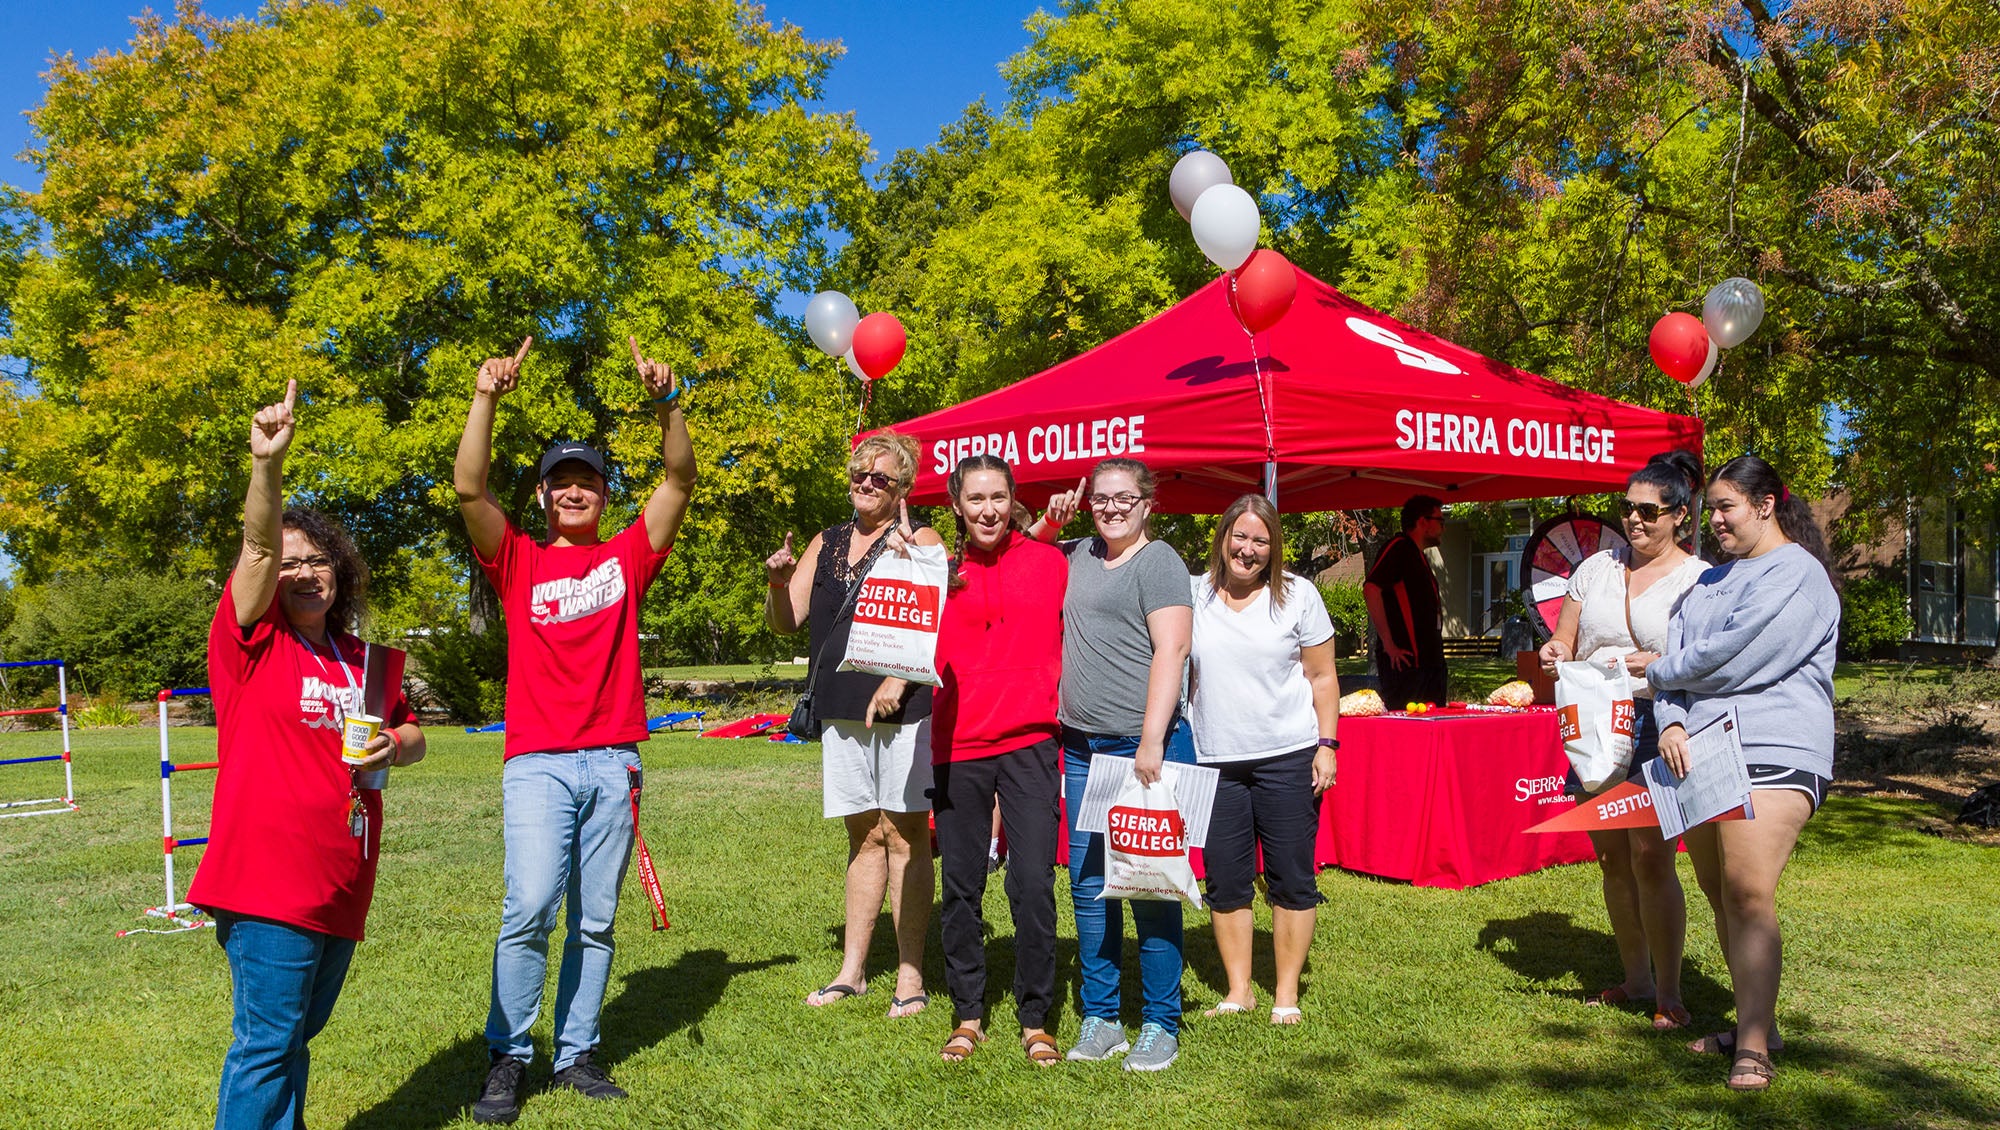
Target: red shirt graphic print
(573, 678)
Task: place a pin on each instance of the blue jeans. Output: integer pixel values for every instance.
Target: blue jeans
(568, 820)
(284, 981)
(1100, 923)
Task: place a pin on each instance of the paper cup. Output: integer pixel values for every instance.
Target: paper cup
(355, 735)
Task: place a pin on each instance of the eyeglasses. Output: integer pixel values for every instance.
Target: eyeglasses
(1647, 511)
(1115, 503)
(875, 479)
(318, 563)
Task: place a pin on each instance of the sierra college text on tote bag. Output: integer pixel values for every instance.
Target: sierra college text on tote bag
(1594, 708)
(897, 615)
(1145, 848)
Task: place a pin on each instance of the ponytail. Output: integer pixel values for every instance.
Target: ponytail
(1758, 481)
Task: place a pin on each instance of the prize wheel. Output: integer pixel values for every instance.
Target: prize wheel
(1552, 554)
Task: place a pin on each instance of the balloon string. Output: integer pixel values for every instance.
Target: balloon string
(867, 393)
(1257, 370)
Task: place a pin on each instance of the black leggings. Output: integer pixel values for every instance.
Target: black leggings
(1027, 783)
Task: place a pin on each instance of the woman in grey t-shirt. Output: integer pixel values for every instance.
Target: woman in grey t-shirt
(1755, 636)
(1127, 619)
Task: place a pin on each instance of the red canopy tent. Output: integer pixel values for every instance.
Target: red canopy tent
(1336, 407)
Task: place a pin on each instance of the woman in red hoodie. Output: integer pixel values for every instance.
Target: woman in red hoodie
(994, 736)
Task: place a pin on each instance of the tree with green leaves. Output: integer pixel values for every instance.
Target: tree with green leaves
(372, 198)
(1539, 181)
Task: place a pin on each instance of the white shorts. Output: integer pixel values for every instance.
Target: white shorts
(887, 767)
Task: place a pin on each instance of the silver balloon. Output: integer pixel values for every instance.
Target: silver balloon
(1732, 311)
(1225, 224)
(830, 319)
(1193, 175)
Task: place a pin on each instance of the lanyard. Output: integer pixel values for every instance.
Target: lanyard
(357, 813)
(345, 672)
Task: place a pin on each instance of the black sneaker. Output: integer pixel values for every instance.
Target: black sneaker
(587, 1079)
(500, 1101)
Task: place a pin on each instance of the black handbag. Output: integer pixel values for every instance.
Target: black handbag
(803, 723)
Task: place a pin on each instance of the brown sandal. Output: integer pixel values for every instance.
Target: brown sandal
(1671, 1019)
(1753, 1068)
(1041, 1049)
(1724, 1042)
(970, 1036)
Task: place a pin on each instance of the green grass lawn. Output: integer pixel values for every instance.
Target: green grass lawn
(1424, 1007)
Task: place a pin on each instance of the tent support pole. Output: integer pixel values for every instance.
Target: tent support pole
(1271, 482)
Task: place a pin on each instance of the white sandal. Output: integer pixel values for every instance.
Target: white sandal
(1229, 1007)
(1286, 1015)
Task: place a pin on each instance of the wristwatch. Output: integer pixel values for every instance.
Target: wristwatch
(1330, 743)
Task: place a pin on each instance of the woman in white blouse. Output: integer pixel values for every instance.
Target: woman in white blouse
(1620, 601)
(1265, 704)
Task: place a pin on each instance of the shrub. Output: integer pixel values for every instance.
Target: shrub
(463, 674)
(107, 712)
(1349, 611)
(125, 636)
(1874, 612)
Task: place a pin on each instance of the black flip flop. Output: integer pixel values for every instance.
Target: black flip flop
(896, 1002)
(845, 992)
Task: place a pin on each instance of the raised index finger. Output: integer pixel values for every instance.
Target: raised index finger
(638, 359)
(291, 393)
(521, 354)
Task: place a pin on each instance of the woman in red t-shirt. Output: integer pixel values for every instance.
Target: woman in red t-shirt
(993, 742)
(290, 865)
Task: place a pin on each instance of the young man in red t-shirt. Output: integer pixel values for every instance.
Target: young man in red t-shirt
(575, 716)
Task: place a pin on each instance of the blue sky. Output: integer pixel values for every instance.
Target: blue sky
(910, 67)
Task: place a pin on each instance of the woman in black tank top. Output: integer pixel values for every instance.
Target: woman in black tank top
(876, 778)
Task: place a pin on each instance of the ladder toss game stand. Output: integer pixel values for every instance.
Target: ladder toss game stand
(180, 916)
(45, 806)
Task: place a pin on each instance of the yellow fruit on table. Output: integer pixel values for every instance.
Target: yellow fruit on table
(1411, 708)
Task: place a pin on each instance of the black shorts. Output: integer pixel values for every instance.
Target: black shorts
(1785, 777)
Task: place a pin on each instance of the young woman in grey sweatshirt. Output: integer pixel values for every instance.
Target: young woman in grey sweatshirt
(1755, 634)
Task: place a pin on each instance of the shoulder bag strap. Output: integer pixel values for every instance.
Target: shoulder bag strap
(846, 605)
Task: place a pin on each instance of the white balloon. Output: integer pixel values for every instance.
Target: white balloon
(1225, 225)
(830, 319)
(854, 366)
(1707, 366)
(1193, 175)
(1732, 311)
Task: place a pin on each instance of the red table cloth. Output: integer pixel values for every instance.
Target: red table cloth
(1445, 800)
(1442, 800)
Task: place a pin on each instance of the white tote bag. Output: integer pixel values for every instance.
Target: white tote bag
(1595, 711)
(1145, 850)
(897, 614)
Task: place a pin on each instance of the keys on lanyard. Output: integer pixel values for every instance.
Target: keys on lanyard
(357, 820)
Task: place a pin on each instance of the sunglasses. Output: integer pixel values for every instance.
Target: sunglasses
(875, 479)
(1647, 511)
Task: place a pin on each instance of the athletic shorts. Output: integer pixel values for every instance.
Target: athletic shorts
(886, 767)
(1784, 777)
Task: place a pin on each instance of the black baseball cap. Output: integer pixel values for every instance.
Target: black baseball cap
(567, 450)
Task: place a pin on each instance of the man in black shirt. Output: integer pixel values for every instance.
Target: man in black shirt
(1403, 604)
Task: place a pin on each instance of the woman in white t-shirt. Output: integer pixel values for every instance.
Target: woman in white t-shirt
(1265, 706)
(1621, 601)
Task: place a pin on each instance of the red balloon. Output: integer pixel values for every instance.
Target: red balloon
(1679, 345)
(879, 342)
(1262, 289)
